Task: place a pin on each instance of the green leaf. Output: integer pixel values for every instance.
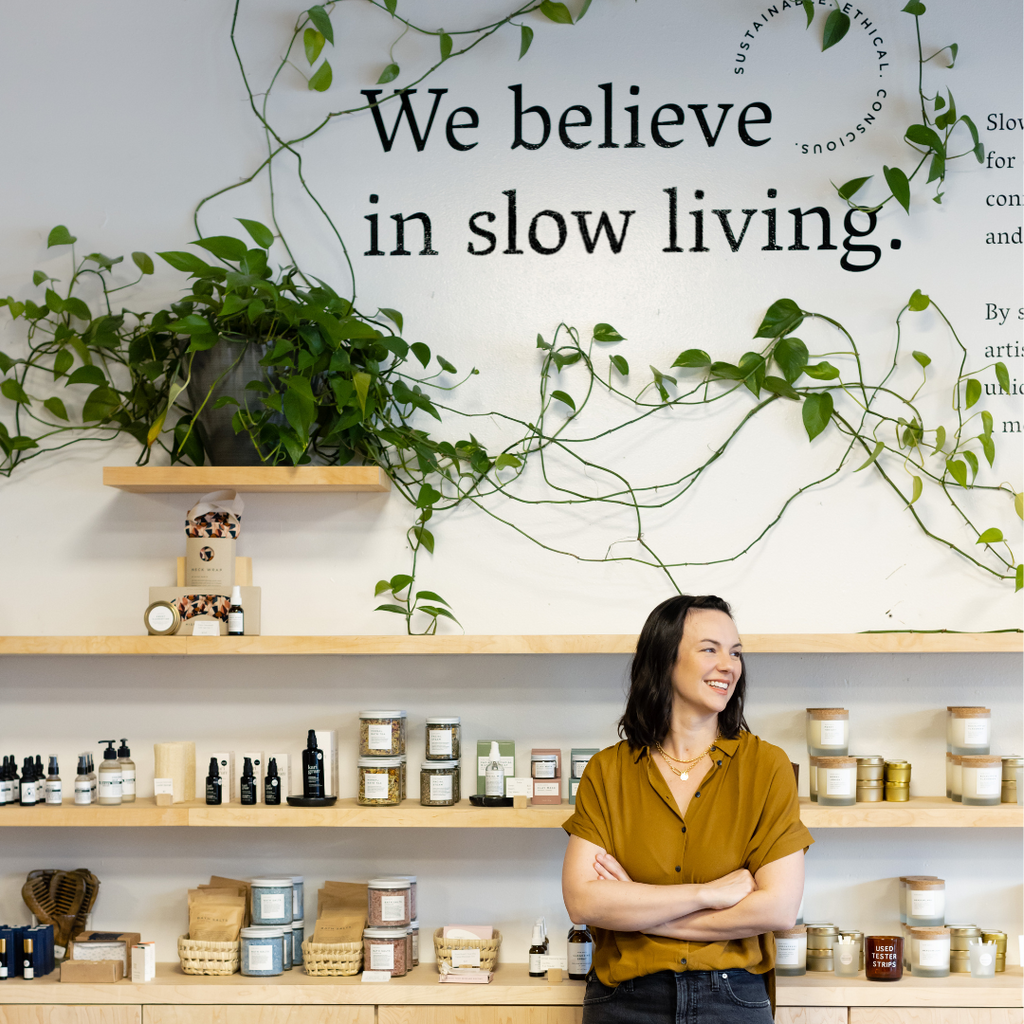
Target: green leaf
(14, 391)
(106, 262)
(394, 316)
(192, 324)
(853, 186)
(993, 535)
(972, 460)
(783, 317)
(973, 392)
(541, 343)
(809, 11)
(313, 43)
(430, 596)
(396, 608)
(565, 399)
(445, 365)
(56, 406)
(922, 135)
(389, 74)
(322, 78)
(817, 411)
(620, 364)
(101, 404)
(87, 375)
(954, 49)
(507, 461)
(899, 185)
(392, 6)
(16, 308)
(322, 20)
(837, 25)
(875, 452)
(790, 355)
(939, 102)
(988, 447)
(923, 359)
(421, 352)
(1018, 504)
(918, 488)
(605, 332)
(186, 261)
(259, 233)
(778, 386)
(729, 371)
(224, 247)
(298, 405)
(915, 7)
(1019, 577)
(382, 587)
(399, 582)
(555, 12)
(76, 307)
(20, 443)
(979, 149)
(583, 10)
(233, 303)
(692, 358)
(822, 371)
(986, 423)
(445, 42)
(1003, 376)
(62, 363)
(940, 439)
(525, 38)
(143, 262)
(39, 276)
(424, 537)
(919, 301)
(752, 366)
(957, 470)
(362, 386)
(54, 301)
(936, 170)
(60, 236)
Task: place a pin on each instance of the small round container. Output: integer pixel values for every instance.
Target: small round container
(791, 952)
(381, 733)
(926, 902)
(970, 730)
(1011, 765)
(960, 936)
(898, 770)
(819, 964)
(897, 792)
(387, 903)
(386, 949)
(956, 791)
(444, 739)
(162, 618)
(870, 792)
(298, 934)
(271, 901)
(414, 943)
(883, 957)
(837, 781)
(828, 731)
(999, 938)
(262, 952)
(929, 952)
(981, 779)
(543, 766)
(298, 897)
(380, 781)
(812, 778)
(820, 938)
(578, 764)
(440, 783)
(287, 946)
(871, 768)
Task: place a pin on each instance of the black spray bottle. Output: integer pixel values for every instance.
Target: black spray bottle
(272, 785)
(313, 769)
(214, 784)
(247, 788)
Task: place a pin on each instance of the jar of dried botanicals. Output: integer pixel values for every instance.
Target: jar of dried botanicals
(444, 739)
(379, 781)
(440, 783)
(381, 733)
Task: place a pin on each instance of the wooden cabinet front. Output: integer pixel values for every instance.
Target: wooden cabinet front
(812, 1015)
(250, 1014)
(935, 1015)
(479, 1014)
(38, 1014)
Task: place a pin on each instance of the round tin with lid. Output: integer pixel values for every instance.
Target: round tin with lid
(162, 618)
(870, 768)
(271, 900)
(820, 937)
(960, 935)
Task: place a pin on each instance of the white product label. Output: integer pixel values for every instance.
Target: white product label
(837, 781)
(465, 958)
(376, 977)
(543, 769)
(205, 628)
(832, 733)
(787, 952)
(441, 788)
(440, 742)
(83, 791)
(518, 787)
(924, 902)
(163, 787)
(28, 792)
(547, 789)
(415, 944)
(375, 785)
(549, 963)
(3, 970)
(976, 732)
(161, 618)
(128, 782)
(272, 906)
(392, 908)
(261, 957)
(54, 792)
(985, 959)
(535, 967)
(110, 787)
(382, 956)
(990, 781)
(579, 956)
(508, 764)
(573, 787)
(845, 956)
(236, 622)
(578, 765)
(379, 737)
(933, 952)
(494, 783)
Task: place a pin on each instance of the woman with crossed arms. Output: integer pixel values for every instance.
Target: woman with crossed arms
(686, 850)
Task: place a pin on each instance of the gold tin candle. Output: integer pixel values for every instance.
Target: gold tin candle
(926, 902)
(961, 935)
(897, 770)
(999, 938)
(820, 964)
(1008, 790)
(929, 952)
(870, 792)
(897, 791)
(957, 792)
(981, 779)
(837, 781)
(970, 730)
(828, 731)
(820, 938)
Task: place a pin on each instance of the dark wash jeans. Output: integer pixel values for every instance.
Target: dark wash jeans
(686, 997)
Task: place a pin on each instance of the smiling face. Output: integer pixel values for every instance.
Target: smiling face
(708, 664)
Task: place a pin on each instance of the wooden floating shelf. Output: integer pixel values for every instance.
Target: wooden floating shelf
(582, 643)
(295, 479)
(511, 986)
(920, 812)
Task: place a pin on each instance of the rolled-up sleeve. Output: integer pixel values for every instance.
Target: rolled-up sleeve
(779, 831)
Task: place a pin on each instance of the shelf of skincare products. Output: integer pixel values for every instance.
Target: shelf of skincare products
(511, 986)
(184, 479)
(582, 643)
(918, 812)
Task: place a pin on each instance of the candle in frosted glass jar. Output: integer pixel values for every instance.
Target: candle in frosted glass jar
(791, 952)
(981, 779)
(837, 781)
(828, 731)
(926, 902)
(929, 952)
(949, 775)
(903, 892)
(956, 792)
(812, 778)
(970, 730)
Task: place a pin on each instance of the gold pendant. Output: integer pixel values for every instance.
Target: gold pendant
(684, 776)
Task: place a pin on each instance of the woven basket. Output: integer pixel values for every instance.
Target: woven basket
(198, 956)
(488, 948)
(332, 959)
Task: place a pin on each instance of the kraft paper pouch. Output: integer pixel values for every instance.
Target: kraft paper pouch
(338, 923)
(212, 526)
(216, 921)
(351, 895)
(242, 888)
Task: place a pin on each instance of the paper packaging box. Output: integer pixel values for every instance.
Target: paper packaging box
(229, 783)
(177, 761)
(507, 752)
(327, 741)
(258, 770)
(94, 946)
(79, 972)
(210, 563)
(139, 964)
(548, 791)
(284, 770)
(209, 604)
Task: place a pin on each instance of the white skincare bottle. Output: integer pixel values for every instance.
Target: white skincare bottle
(236, 616)
(109, 776)
(83, 784)
(494, 774)
(54, 787)
(124, 757)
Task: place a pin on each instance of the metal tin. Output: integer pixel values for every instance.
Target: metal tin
(870, 769)
(897, 771)
(897, 791)
(820, 938)
(819, 964)
(162, 619)
(999, 938)
(1011, 762)
(960, 935)
(870, 794)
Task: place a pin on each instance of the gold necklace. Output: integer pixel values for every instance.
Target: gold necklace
(689, 762)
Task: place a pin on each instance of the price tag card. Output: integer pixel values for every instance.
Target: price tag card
(376, 976)
(465, 958)
(519, 787)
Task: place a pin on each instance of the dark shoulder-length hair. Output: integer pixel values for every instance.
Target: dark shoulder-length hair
(649, 704)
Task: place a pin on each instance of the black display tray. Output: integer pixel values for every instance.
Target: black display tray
(311, 801)
(490, 801)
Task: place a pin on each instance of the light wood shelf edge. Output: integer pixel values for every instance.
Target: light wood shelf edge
(575, 643)
(294, 479)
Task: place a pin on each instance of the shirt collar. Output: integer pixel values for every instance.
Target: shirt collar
(727, 747)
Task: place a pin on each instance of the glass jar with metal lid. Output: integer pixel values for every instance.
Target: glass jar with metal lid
(1008, 792)
(837, 781)
(791, 952)
(981, 779)
(262, 954)
(828, 731)
(444, 739)
(381, 733)
(387, 903)
(970, 730)
(440, 783)
(926, 902)
(929, 952)
(380, 781)
(544, 766)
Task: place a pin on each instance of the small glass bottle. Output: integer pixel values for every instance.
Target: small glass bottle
(214, 784)
(28, 794)
(54, 787)
(83, 784)
(5, 971)
(27, 970)
(579, 952)
(883, 957)
(124, 757)
(109, 777)
(537, 950)
(236, 616)
(494, 774)
(272, 789)
(247, 784)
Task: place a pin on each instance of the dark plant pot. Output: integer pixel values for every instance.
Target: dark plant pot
(227, 368)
